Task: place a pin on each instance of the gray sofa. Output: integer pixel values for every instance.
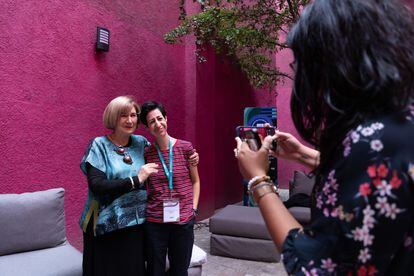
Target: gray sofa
(240, 231)
(33, 237)
(301, 183)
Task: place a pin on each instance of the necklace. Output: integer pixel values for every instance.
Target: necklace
(119, 149)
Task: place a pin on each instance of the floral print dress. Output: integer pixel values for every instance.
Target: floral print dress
(363, 221)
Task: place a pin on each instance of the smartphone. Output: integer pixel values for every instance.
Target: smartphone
(252, 136)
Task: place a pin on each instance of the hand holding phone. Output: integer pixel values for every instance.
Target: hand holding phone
(253, 136)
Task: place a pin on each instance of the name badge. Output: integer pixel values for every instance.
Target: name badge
(171, 210)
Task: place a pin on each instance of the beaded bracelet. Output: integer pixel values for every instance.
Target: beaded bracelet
(256, 180)
(260, 184)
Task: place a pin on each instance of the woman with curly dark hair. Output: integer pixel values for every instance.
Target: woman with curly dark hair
(353, 100)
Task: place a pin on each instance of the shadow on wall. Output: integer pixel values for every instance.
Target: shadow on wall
(222, 94)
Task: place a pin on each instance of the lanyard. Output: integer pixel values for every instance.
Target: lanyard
(168, 172)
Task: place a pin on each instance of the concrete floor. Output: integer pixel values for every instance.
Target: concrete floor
(222, 266)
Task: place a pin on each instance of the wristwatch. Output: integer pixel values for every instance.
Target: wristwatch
(259, 192)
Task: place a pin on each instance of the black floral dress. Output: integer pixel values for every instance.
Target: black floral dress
(363, 218)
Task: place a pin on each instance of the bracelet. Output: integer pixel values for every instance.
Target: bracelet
(249, 184)
(264, 190)
(260, 184)
(132, 183)
(256, 180)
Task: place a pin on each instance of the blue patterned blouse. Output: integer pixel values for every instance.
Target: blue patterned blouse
(109, 213)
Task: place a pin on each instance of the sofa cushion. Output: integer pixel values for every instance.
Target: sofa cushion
(241, 221)
(301, 183)
(244, 248)
(198, 258)
(301, 214)
(63, 260)
(31, 221)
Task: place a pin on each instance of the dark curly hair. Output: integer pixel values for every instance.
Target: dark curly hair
(149, 106)
(354, 59)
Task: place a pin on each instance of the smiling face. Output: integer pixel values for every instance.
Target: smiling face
(157, 123)
(127, 122)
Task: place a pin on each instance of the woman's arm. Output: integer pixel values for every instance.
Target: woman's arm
(364, 204)
(195, 179)
(288, 147)
(278, 219)
(101, 185)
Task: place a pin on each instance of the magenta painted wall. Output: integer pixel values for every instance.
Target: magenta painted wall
(54, 87)
(286, 168)
(222, 94)
(285, 124)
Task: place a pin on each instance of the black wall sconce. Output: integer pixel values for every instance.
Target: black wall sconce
(102, 39)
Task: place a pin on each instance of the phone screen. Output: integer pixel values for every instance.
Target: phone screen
(251, 135)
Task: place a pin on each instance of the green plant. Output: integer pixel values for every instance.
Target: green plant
(247, 31)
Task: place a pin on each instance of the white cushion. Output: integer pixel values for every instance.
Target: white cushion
(198, 257)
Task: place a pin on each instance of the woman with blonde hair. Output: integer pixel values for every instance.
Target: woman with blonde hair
(115, 207)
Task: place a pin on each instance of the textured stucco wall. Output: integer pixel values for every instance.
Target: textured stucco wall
(285, 124)
(54, 86)
(286, 168)
(222, 94)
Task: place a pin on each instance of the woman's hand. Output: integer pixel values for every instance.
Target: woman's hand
(288, 147)
(146, 170)
(194, 159)
(251, 163)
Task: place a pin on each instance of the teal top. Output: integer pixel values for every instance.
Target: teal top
(108, 212)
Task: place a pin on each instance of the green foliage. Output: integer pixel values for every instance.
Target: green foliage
(247, 31)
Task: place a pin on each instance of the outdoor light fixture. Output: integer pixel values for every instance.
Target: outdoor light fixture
(102, 39)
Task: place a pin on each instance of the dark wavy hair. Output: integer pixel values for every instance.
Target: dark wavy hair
(354, 59)
(149, 106)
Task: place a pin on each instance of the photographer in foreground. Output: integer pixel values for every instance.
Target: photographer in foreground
(353, 100)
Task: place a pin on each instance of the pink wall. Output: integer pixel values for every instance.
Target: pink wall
(222, 94)
(285, 124)
(54, 88)
(286, 168)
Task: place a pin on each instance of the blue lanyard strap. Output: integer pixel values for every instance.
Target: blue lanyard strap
(168, 172)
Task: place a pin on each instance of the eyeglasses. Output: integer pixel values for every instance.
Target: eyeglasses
(127, 158)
